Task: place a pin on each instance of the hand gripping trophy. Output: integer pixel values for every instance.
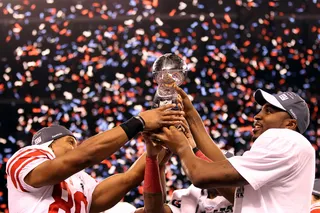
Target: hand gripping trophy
(168, 70)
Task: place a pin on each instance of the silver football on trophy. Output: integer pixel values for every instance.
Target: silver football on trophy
(168, 69)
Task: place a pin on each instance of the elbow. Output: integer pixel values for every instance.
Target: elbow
(198, 182)
(197, 179)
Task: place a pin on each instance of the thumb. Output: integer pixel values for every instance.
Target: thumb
(181, 92)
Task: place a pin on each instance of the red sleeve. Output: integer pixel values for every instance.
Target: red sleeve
(17, 164)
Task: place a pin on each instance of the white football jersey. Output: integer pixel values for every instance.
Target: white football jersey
(195, 200)
(71, 195)
(280, 170)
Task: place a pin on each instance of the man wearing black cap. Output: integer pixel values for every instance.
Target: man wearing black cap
(315, 201)
(275, 176)
(47, 176)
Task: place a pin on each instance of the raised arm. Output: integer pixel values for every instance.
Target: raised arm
(199, 133)
(203, 140)
(111, 190)
(153, 189)
(98, 147)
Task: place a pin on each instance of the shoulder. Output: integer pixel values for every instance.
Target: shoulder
(29, 152)
(282, 136)
(32, 151)
(280, 133)
(283, 133)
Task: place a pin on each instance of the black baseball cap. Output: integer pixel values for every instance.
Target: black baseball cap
(51, 133)
(290, 102)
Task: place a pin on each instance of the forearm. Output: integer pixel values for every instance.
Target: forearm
(93, 150)
(153, 202)
(228, 193)
(163, 183)
(103, 198)
(208, 175)
(163, 158)
(207, 146)
(202, 138)
(153, 197)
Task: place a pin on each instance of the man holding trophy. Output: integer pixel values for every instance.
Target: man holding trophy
(169, 71)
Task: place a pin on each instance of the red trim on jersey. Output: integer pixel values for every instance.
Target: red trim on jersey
(48, 154)
(315, 208)
(36, 153)
(16, 157)
(18, 172)
(23, 152)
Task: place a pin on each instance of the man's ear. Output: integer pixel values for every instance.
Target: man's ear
(291, 124)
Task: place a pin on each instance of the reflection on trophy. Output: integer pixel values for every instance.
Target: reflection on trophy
(168, 70)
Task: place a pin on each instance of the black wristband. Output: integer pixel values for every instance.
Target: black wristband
(142, 121)
(195, 150)
(132, 127)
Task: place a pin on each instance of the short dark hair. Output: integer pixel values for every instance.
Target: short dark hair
(317, 197)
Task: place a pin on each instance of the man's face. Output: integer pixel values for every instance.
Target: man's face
(269, 117)
(63, 145)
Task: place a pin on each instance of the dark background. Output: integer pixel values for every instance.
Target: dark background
(86, 65)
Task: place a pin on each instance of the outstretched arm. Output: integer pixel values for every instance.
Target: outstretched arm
(201, 173)
(110, 191)
(98, 147)
(198, 130)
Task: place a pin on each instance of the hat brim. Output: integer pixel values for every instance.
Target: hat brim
(263, 97)
(46, 144)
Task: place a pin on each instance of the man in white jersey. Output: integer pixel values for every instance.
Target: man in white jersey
(275, 176)
(47, 176)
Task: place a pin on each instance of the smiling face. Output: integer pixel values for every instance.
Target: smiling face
(271, 117)
(63, 145)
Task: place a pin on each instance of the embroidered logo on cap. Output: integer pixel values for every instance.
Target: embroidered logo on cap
(37, 140)
(283, 97)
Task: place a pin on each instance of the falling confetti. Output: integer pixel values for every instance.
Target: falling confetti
(86, 65)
